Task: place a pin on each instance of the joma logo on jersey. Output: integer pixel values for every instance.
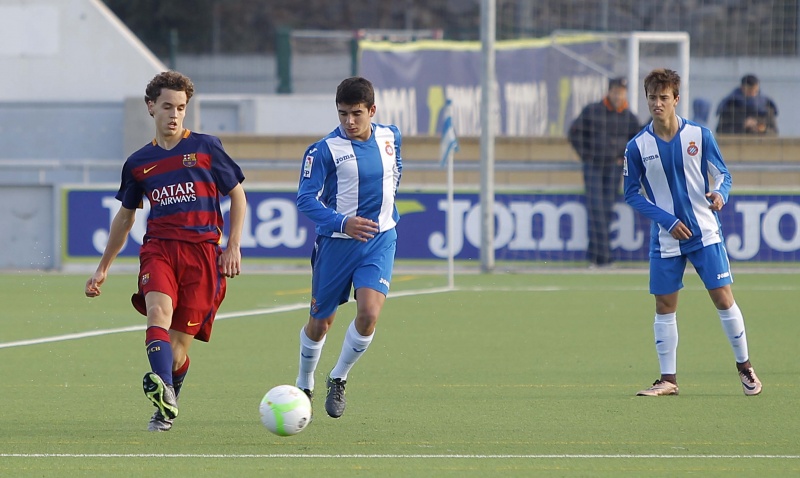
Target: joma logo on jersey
(346, 157)
(384, 282)
(723, 275)
(650, 158)
(173, 194)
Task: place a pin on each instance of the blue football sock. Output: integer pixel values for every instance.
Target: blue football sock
(159, 353)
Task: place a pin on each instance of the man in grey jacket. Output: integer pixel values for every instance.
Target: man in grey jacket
(599, 135)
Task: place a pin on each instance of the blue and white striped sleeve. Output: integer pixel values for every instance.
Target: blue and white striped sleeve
(716, 165)
(633, 173)
(316, 163)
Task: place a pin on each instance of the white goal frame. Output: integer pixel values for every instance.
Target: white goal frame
(635, 39)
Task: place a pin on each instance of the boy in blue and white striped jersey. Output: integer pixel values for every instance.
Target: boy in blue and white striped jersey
(666, 178)
(347, 187)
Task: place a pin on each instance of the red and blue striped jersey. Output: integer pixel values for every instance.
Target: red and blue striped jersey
(183, 186)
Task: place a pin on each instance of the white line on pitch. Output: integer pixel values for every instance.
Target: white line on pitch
(300, 306)
(390, 456)
(229, 315)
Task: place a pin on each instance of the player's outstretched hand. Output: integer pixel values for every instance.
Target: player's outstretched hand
(230, 261)
(360, 228)
(715, 200)
(92, 288)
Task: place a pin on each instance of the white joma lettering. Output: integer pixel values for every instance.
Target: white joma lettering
(344, 158)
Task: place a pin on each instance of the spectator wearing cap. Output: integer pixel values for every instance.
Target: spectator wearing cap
(599, 135)
(746, 111)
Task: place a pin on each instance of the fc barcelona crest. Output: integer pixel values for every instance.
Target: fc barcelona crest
(145, 278)
(190, 159)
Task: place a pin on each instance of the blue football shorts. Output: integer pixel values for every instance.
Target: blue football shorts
(339, 264)
(710, 262)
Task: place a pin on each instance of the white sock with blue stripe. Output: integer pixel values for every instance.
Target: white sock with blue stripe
(353, 348)
(310, 353)
(665, 329)
(733, 325)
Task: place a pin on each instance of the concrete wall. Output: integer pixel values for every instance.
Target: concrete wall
(67, 67)
(69, 50)
(520, 163)
(28, 235)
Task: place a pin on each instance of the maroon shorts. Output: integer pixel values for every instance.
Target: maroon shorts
(188, 273)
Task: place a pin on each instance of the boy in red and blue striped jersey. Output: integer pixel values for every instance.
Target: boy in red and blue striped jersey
(183, 269)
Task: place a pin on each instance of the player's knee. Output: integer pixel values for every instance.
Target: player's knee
(666, 304)
(178, 358)
(722, 297)
(723, 303)
(159, 316)
(366, 320)
(317, 329)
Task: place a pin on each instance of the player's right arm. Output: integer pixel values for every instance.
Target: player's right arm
(634, 181)
(316, 163)
(120, 228)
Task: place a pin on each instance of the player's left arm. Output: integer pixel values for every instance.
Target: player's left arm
(228, 177)
(230, 261)
(718, 196)
(398, 169)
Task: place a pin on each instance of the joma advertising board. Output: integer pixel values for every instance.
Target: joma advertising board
(527, 226)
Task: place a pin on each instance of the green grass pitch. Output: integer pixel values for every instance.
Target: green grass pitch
(508, 375)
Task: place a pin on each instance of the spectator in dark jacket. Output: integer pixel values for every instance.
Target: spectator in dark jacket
(599, 135)
(746, 111)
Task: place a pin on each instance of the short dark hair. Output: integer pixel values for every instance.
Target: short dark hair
(661, 78)
(171, 80)
(749, 80)
(355, 90)
(620, 82)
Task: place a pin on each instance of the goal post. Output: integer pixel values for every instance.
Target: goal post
(634, 54)
(635, 40)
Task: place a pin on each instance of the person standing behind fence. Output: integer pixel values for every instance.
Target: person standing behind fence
(599, 135)
(746, 111)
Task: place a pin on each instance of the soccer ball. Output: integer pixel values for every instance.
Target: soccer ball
(285, 410)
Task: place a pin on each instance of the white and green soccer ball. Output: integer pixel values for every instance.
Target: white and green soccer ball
(285, 410)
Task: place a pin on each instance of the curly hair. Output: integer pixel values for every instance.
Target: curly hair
(661, 78)
(171, 80)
